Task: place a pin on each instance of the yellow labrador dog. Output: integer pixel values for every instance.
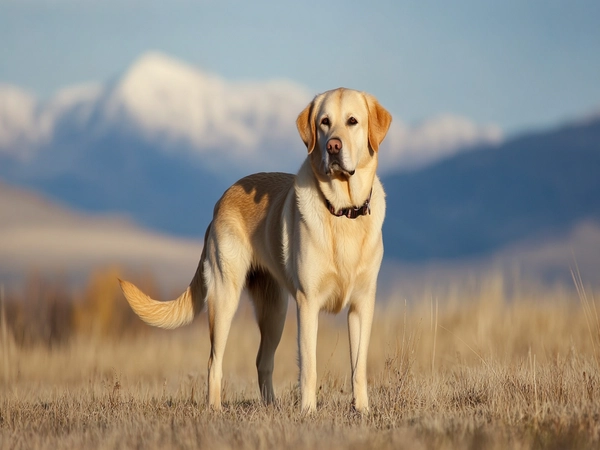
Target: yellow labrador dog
(316, 235)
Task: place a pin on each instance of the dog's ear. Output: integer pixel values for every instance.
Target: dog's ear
(379, 122)
(306, 127)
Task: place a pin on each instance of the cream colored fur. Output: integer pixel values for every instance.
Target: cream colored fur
(273, 234)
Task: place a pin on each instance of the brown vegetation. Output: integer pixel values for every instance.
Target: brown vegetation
(472, 364)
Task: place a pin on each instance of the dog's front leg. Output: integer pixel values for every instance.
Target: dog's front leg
(360, 319)
(308, 324)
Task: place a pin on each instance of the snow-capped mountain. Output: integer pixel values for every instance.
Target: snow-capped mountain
(233, 126)
(185, 109)
(170, 105)
(165, 135)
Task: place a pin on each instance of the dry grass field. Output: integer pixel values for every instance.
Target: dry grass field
(474, 364)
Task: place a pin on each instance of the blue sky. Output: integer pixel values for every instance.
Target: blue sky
(515, 63)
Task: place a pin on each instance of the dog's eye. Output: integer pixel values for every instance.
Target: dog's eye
(352, 121)
(325, 121)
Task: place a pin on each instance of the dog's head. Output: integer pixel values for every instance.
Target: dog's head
(342, 130)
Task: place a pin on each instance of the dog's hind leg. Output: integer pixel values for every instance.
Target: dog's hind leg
(270, 304)
(225, 277)
(222, 304)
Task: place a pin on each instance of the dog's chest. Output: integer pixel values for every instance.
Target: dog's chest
(350, 263)
(345, 248)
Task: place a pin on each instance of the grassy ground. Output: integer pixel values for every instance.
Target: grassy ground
(467, 366)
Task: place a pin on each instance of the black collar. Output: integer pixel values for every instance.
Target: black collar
(354, 212)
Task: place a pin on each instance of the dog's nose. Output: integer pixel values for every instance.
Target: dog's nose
(334, 145)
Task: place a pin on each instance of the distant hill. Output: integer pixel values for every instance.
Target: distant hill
(539, 185)
(39, 235)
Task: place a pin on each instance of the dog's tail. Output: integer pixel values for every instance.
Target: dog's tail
(171, 314)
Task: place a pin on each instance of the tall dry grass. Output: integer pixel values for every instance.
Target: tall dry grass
(477, 363)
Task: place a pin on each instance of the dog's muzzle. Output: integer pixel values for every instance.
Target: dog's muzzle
(334, 158)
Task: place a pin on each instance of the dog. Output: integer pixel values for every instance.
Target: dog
(316, 235)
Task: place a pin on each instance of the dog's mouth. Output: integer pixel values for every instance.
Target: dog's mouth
(335, 167)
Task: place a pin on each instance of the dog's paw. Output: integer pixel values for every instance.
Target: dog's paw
(360, 409)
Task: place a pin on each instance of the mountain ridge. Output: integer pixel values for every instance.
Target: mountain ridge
(538, 184)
